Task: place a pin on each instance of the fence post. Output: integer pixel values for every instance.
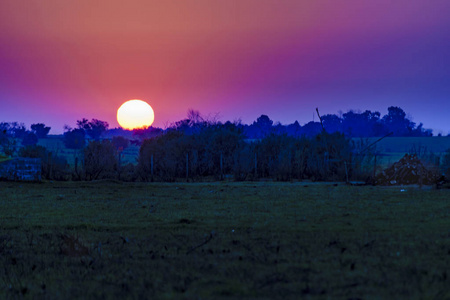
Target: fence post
(151, 165)
(187, 166)
(256, 166)
(346, 171)
(76, 165)
(375, 167)
(50, 166)
(221, 167)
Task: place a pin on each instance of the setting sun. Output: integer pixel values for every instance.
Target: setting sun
(135, 114)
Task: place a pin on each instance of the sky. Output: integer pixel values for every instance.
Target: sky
(61, 61)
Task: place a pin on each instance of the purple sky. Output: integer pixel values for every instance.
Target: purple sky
(64, 60)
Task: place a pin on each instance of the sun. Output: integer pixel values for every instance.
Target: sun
(134, 114)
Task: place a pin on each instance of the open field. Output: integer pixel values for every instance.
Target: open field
(437, 145)
(223, 240)
(393, 149)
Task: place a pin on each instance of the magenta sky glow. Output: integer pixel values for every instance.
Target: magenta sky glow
(64, 60)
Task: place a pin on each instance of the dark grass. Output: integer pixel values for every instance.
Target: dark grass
(223, 240)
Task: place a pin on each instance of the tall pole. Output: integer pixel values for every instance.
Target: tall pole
(346, 171)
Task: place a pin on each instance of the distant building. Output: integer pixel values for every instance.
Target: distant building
(21, 169)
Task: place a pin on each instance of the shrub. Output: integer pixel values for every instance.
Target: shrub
(100, 160)
(445, 165)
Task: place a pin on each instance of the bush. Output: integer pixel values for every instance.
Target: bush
(128, 173)
(327, 156)
(244, 163)
(163, 157)
(207, 151)
(29, 139)
(217, 150)
(445, 165)
(100, 160)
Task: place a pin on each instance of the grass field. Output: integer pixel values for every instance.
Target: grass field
(254, 240)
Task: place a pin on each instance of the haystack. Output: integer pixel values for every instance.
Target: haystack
(408, 170)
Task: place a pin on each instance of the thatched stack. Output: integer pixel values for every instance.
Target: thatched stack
(408, 170)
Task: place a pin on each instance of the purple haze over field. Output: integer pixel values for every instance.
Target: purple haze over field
(64, 60)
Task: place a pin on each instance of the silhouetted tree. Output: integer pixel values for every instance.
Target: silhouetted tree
(100, 160)
(397, 122)
(279, 128)
(445, 165)
(326, 157)
(420, 131)
(294, 129)
(147, 132)
(244, 162)
(274, 154)
(7, 142)
(9, 132)
(360, 124)
(182, 126)
(223, 141)
(74, 139)
(29, 138)
(195, 117)
(311, 129)
(94, 128)
(207, 150)
(163, 155)
(332, 123)
(120, 143)
(302, 148)
(40, 130)
(264, 125)
(118, 132)
(4, 128)
(13, 129)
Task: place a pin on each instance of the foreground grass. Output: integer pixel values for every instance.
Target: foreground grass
(223, 240)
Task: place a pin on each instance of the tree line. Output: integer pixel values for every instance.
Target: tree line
(9, 132)
(220, 150)
(351, 124)
(197, 149)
